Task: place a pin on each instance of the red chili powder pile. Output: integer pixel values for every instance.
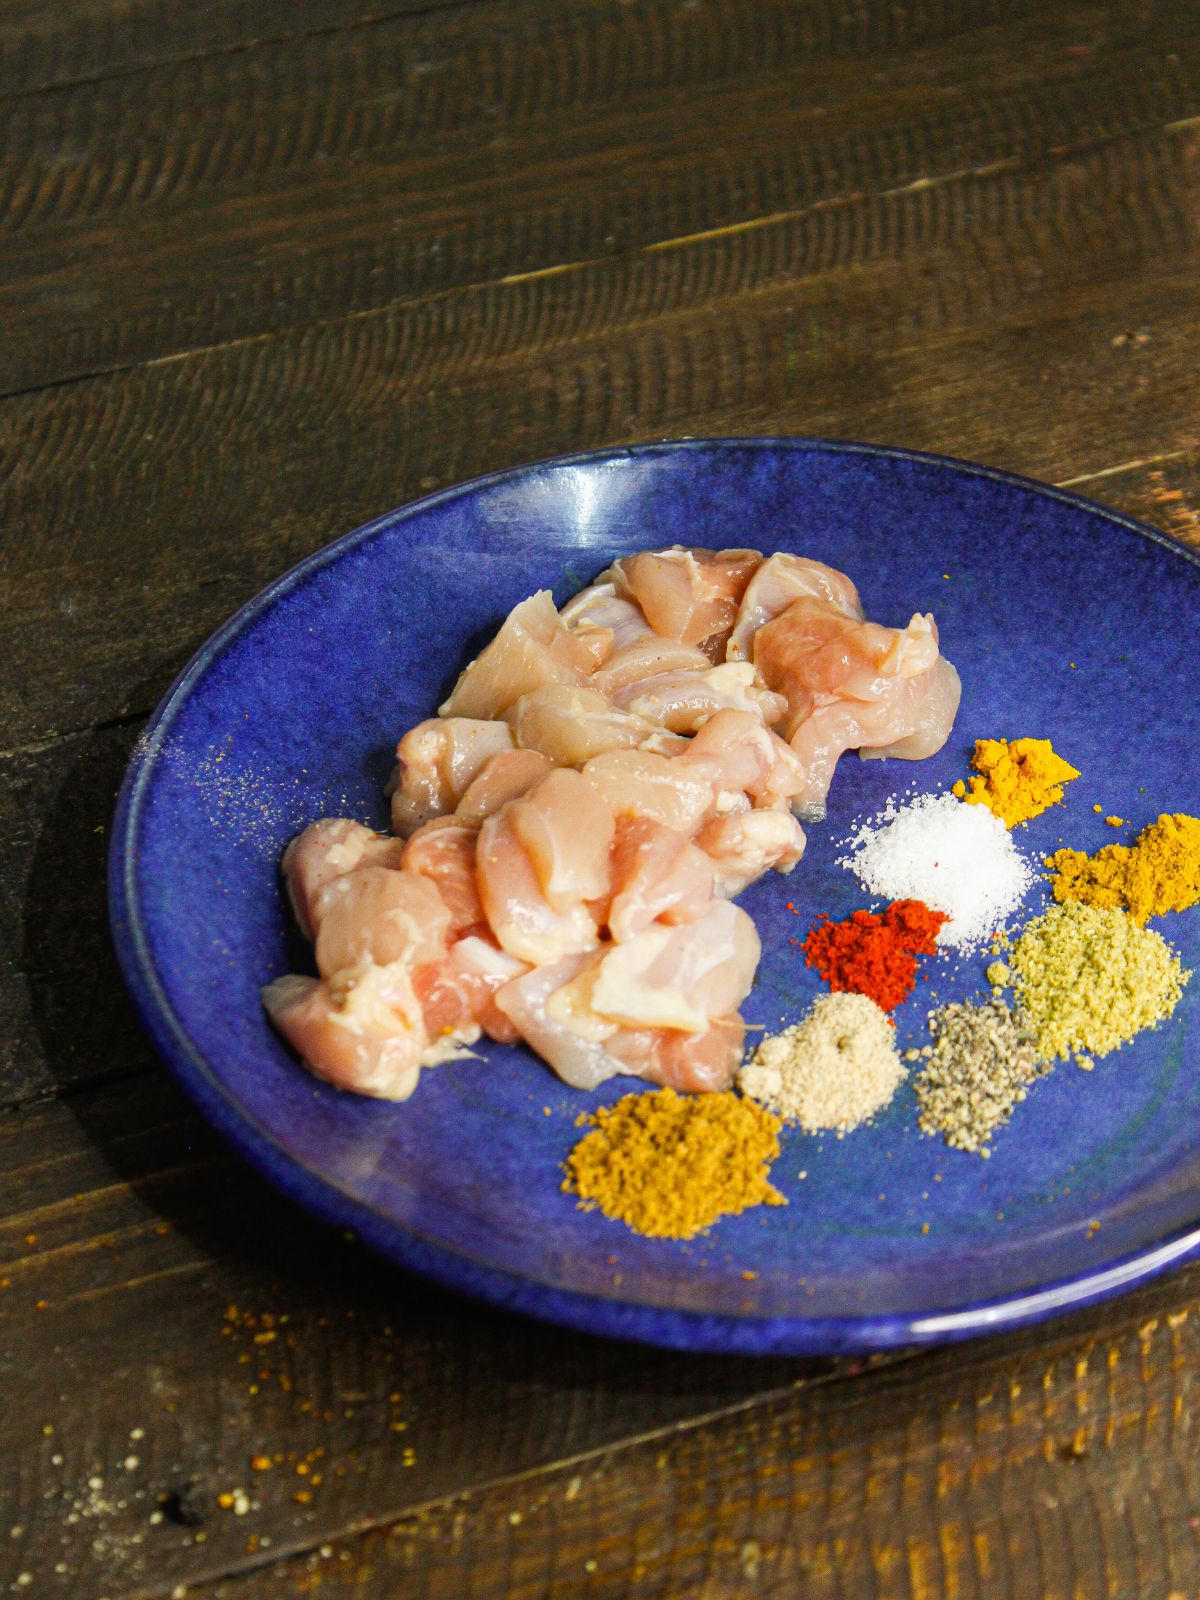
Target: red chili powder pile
(875, 955)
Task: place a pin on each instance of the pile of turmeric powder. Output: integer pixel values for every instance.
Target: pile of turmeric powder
(1016, 781)
(1159, 872)
(669, 1165)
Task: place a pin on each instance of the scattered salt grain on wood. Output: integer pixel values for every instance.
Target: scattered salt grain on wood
(957, 858)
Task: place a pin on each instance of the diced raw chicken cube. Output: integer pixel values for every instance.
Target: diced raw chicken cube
(590, 1051)
(776, 584)
(457, 994)
(505, 776)
(744, 845)
(579, 1058)
(680, 977)
(925, 711)
(691, 1062)
(570, 725)
(533, 647)
(436, 763)
(690, 595)
(521, 918)
(358, 1042)
(379, 915)
(598, 606)
(813, 653)
(852, 686)
(647, 657)
(684, 701)
(638, 783)
(444, 852)
(566, 831)
(658, 875)
(738, 756)
(326, 850)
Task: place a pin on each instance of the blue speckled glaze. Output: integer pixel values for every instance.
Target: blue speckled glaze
(1064, 621)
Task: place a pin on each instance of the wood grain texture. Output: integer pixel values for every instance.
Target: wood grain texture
(197, 1322)
(1059, 1463)
(64, 1016)
(975, 317)
(269, 270)
(46, 44)
(425, 154)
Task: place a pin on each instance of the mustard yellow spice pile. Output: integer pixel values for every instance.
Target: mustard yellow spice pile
(1015, 781)
(669, 1165)
(1159, 872)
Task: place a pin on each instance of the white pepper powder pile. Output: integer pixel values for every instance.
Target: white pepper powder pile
(834, 1069)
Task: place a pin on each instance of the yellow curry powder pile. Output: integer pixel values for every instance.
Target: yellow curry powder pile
(1088, 978)
(1160, 872)
(669, 1165)
(1016, 781)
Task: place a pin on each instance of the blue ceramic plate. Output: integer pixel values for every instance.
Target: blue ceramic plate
(1064, 620)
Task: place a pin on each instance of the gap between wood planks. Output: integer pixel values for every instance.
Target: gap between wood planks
(654, 247)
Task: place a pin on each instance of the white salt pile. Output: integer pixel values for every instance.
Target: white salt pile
(957, 858)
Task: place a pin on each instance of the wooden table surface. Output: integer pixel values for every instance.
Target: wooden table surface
(271, 267)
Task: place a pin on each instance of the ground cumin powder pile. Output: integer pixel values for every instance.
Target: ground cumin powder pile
(669, 1165)
(1160, 872)
(1016, 781)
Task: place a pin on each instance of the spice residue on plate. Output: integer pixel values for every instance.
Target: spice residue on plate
(875, 954)
(1159, 872)
(834, 1069)
(1016, 781)
(1088, 978)
(984, 1059)
(956, 858)
(669, 1165)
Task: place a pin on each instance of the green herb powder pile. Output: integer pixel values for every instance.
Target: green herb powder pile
(1088, 978)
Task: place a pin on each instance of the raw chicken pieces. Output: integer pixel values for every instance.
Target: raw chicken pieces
(571, 829)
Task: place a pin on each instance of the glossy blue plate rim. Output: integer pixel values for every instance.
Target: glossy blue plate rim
(668, 1327)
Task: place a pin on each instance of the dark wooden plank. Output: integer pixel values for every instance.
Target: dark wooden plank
(50, 43)
(209, 204)
(1057, 1463)
(126, 1237)
(976, 316)
(64, 1016)
(127, 1234)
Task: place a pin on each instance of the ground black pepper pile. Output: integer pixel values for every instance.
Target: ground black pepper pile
(982, 1063)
